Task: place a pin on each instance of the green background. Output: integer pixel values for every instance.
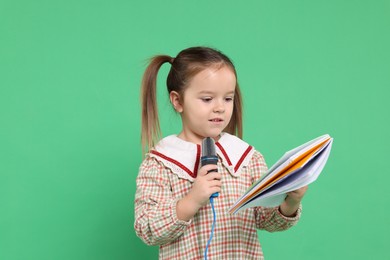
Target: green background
(70, 149)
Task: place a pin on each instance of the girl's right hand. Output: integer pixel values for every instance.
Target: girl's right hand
(203, 187)
(206, 183)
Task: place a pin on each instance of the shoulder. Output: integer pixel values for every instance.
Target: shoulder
(257, 156)
(174, 155)
(151, 164)
(257, 160)
(152, 172)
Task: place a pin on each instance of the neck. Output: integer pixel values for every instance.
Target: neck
(196, 139)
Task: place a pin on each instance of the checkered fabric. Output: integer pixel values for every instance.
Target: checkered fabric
(235, 236)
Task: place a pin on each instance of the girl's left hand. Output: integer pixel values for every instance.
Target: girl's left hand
(296, 195)
(290, 205)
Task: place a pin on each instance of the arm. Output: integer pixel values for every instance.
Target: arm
(159, 216)
(156, 222)
(282, 217)
(276, 218)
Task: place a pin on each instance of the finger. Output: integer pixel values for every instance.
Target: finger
(207, 169)
(213, 176)
(300, 190)
(215, 188)
(215, 183)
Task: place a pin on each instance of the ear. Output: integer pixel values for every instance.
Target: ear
(175, 100)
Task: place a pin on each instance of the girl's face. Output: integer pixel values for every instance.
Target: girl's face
(207, 105)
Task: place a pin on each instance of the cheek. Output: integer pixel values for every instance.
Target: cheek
(196, 110)
(200, 112)
(230, 109)
(200, 108)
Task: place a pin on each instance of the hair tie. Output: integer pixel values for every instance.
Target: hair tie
(171, 60)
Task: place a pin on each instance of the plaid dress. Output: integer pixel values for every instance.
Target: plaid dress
(166, 175)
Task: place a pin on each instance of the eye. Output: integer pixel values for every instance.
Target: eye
(206, 99)
(229, 99)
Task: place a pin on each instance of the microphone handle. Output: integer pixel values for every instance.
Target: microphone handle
(205, 160)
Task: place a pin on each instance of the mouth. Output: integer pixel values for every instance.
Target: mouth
(216, 120)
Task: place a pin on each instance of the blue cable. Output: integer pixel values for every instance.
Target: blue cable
(212, 227)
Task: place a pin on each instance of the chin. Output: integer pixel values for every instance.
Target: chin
(214, 134)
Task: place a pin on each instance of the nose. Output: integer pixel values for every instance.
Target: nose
(219, 107)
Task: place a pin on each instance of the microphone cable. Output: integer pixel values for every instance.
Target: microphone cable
(212, 227)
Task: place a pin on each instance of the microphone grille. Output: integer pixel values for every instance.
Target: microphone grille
(208, 147)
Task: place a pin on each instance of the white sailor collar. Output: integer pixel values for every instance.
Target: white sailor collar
(183, 157)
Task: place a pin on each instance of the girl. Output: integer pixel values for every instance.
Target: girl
(173, 191)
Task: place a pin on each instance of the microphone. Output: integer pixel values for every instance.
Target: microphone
(209, 156)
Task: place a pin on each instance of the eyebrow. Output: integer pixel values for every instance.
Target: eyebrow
(211, 92)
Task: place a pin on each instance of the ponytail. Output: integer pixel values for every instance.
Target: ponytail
(150, 130)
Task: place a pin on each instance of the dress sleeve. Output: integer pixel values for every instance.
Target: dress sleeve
(156, 222)
(269, 219)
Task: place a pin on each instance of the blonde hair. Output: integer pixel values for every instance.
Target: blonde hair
(185, 66)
